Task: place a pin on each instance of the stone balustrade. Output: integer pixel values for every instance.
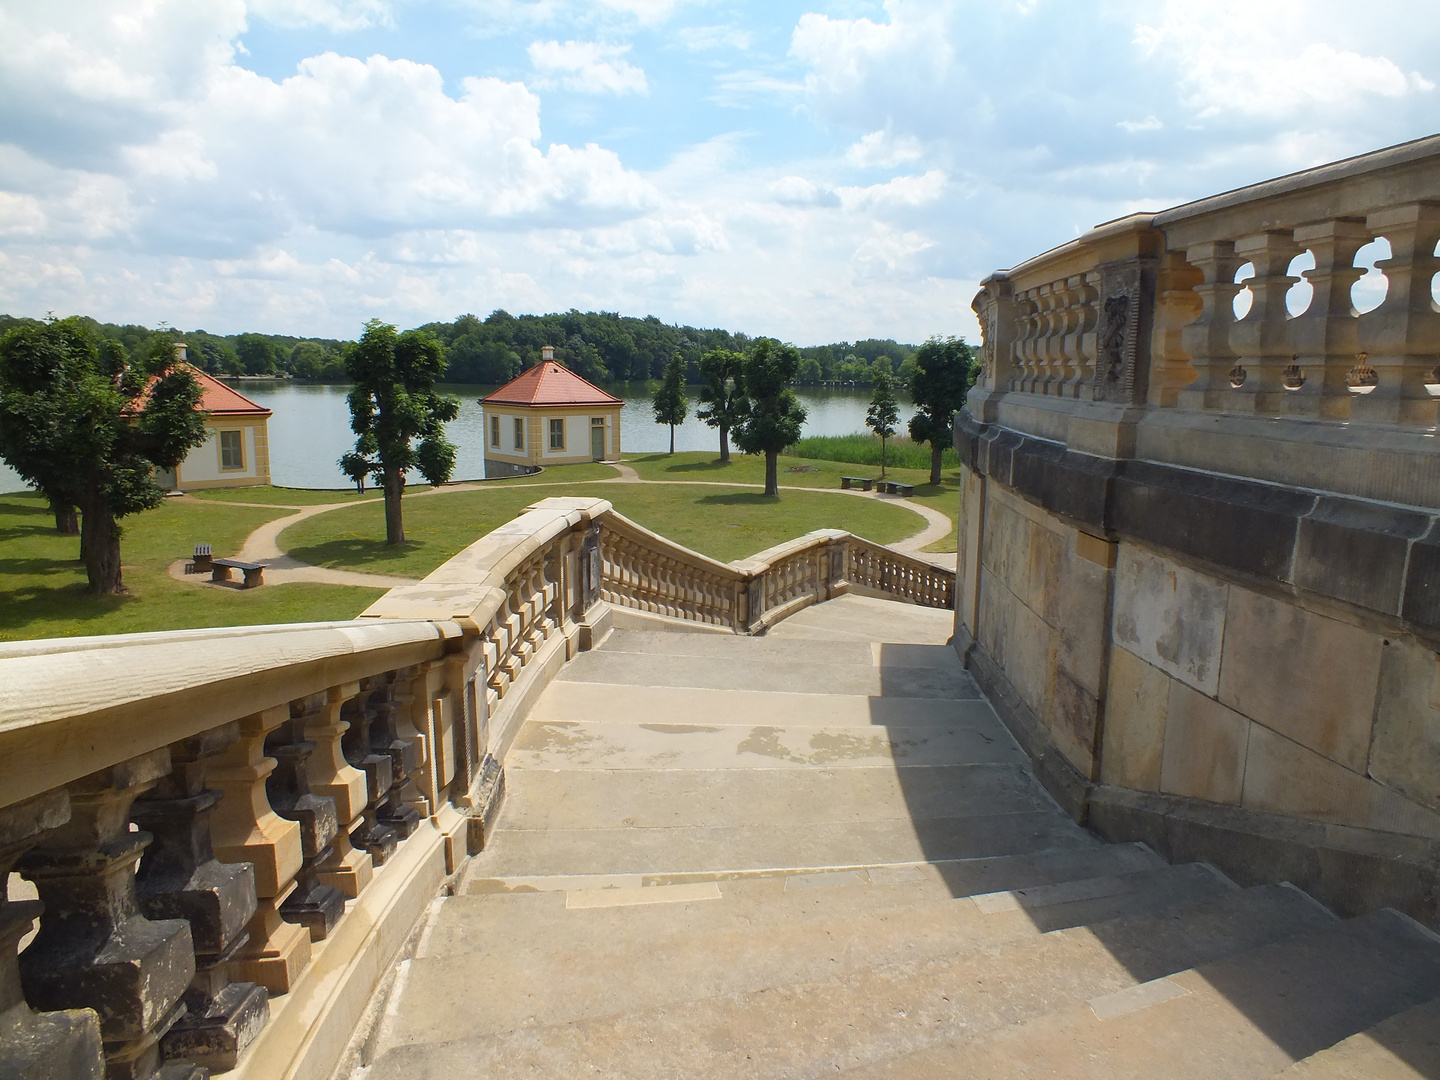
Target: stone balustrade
(1199, 565)
(201, 814)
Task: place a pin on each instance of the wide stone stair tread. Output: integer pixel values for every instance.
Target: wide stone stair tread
(883, 654)
(852, 1016)
(1403, 1047)
(1248, 1017)
(768, 674)
(868, 619)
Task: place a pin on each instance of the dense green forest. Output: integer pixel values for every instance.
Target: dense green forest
(603, 346)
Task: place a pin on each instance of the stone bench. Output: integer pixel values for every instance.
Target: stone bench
(892, 488)
(254, 571)
(864, 482)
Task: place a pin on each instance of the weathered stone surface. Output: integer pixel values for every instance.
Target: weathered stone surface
(1421, 605)
(1357, 551)
(1135, 706)
(1307, 676)
(1283, 777)
(1170, 617)
(1204, 755)
(1405, 754)
(1019, 642)
(1074, 720)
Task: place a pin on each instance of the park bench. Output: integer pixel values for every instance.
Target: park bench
(201, 563)
(899, 489)
(850, 481)
(254, 571)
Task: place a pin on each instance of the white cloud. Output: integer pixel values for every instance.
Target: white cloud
(902, 191)
(1150, 123)
(702, 38)
(587, 67)
(338, 15)
(798, 191)
(884, 150)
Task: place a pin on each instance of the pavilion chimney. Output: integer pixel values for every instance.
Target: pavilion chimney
(180, 352)
(547, 352)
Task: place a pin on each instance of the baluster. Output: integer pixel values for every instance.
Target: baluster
(43, 1045)
(1052, 343)
(413, 697)
(245, 828)
(314, 905)
(372, 836)
(180, 878)
(95, 949)
(1207, 339)
(1325, 334)
(1402, 335)
(1261, 340)
(1177, 304)
(394, 811)
(330, 776)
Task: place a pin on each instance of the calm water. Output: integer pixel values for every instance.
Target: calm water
(311, 428)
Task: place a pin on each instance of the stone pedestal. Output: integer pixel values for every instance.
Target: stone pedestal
(95, 949)
(245, 828)
(61, 1045)
(180, 877)
(316, 906)
(371, 835)
(394, 812)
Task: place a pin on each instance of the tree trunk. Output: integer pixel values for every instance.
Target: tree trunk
(724, 444)
(67, 519)
(882, 457)
(100, 548)
(936, 449)
(672, 438)
(772, 486)
(394, 523)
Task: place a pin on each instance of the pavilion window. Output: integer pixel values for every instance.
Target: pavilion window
(232, 450)
(519, 433)
(495, 432)
(557, 434)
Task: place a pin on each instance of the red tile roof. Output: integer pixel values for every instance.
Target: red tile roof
(550, 383)
(221, 400)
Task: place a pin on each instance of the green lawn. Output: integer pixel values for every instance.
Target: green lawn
(282, 496)
(803, 472)
(725, 523)
(42, 581)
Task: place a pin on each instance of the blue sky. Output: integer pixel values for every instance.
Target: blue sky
(812, 171)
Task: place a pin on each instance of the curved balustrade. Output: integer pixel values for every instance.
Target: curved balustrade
(202, 813)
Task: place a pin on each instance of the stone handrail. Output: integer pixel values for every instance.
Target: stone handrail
(202, 813)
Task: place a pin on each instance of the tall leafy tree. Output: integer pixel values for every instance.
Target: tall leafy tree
(671, 404)
(775, 416)
(88, 426)
(397, 416)
(722, 394)
(944, 370)
(884, 411)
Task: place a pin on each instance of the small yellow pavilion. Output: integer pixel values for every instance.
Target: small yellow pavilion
(548, 415)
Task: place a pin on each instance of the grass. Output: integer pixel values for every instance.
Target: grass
(863, 448)
(42, 581)
(283, 496)
(750, 469)
(725, 523)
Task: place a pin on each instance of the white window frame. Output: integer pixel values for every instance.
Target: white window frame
(239, 447)
(519, 434)
(557, 433)
(495, 432)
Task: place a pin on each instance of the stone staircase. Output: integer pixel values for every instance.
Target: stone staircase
(820, 853)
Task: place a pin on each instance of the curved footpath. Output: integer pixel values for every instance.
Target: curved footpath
(263, 545)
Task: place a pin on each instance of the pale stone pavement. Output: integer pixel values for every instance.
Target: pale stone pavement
(263, 544)
(819, 852)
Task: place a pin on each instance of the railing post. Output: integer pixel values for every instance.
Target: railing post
(1207, 339)
(180, 878)
(1324, 334)
(95, 949)
(37, 1046)
(1261, 340)
(318, 720)
(245, 828)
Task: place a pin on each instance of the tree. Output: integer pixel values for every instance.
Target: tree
(89, 427)
(256, 354)
(392, 404)
(884, 411)
(944, 370)
(671, 404)
(722, 394)
(775, 416)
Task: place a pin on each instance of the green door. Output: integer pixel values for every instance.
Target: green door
(597, 442)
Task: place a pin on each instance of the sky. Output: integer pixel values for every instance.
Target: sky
(815, 172)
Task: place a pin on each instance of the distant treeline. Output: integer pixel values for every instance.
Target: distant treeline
(603, 346)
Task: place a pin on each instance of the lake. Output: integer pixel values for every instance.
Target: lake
(311, 427)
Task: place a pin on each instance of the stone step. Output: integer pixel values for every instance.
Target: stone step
(809, 1028)
(779, 844)
(739, 707)
(880, 654)
(1404, 1047)
(622, 799)
(468, 974)
(753, 900)
(1251, 1016)
(768, 674)
(569, 745)
(867, 619)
